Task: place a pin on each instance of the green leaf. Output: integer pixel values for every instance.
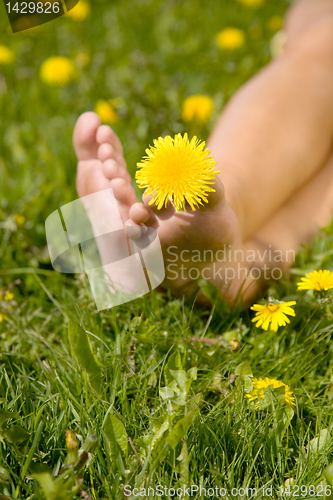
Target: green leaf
(244, 382)
(6, 415)
(116, 433)
(180, 429)
(194, 404)
(82, 352)
(49, 487)
(182, 380)
(244, 369)
(193, 373)
(328, 474)
(160, 426)
(90, 443)
(183, 467)
(275, 394)
(16, 434)
(319, 442)
(283, 418)
(174, 363)
(39, 468)
(166, 393)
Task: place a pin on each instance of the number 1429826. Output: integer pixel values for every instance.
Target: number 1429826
(32, 7)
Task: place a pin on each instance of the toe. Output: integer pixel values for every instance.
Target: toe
(106, 151)
(84, 136)
(112, 169)
(215, 198)
(123, 191)
(140, 214)
(166, 211)
(105, 134)
(134, 231)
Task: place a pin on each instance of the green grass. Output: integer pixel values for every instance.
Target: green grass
(152, 54)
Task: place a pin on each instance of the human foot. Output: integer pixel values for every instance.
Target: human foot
(101, 164)
(114, 275)
(196, 244)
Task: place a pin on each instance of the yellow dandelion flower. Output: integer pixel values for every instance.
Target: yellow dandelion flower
(6, 55)
(106, 112)
(262, 383)
(317, 280)
(230, 38)
(80, 12)
(234, 345)
(19, 219)
(9, 295)
(252, 3)
(71, 442)
(197, 108)
(178, 171)
(57, 71)
(275, 23)
(273, 314)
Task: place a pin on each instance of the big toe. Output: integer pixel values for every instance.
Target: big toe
(84, 136)
(163, 212)
(215, 197)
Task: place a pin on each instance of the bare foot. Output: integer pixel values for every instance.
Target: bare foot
(196, 244)
(192, 241)
(101, 162)
(102, 166)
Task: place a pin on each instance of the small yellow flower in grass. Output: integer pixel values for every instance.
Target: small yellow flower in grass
(6, 55)
(177, 170)
(273, 314)
(230, 38)
(106, 112)
(9, 295)
(262, 383)
(80, 12)
(317, 280)
(19, 219)
(252, 3)
(71, 442)
(275, 23)
(197, 108)
(57, 71)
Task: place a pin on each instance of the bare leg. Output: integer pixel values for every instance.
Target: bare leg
(276, 132)
(299, 219)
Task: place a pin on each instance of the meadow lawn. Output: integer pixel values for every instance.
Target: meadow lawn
(145, 403)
